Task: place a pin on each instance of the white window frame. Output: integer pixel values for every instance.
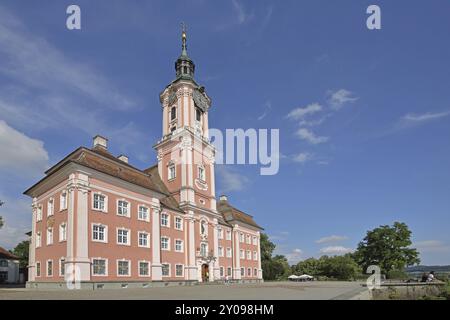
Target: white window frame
(249, 272)
(222, 271)
(241, 237)
(182, 270)
(204, 245)
(50, 208)
(128, 236)
(248, 239)
(170, 113)
(241, 254)
(171, 177)
(39, 213)
(255, 240)
(63, 203)
(170, 271)
(229, 271)
(61, 234)
(47, 238)
(129, 268)
(61, 260)
(105, 202)
(220, 253)
(255, 256)
(228, 235)
(181, 223)
(105, 233)
(128, 208)
(47, 268)
(255, 272)
(182, 245)
(147, 219)
(220, 233)
(228, 253)
(147, 239)
(242, 272)
(139, 268)
(201, 173)
(106, 267)
(249, 255)
(168, 243)
(168, 220)
(205, 222)
(38, 269)
(38, 239)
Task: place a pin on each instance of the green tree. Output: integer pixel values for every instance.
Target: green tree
(267, 247)
(274, 268)
(339, 267)
(388, 247)
(310, 266)
(22, 251)
(1, 218)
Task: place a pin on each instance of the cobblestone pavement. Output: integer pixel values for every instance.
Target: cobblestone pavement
(263, 291)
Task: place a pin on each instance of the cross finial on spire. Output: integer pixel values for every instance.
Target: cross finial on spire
(183, 39)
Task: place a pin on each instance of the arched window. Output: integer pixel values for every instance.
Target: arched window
(173, 113)
(201, 173)
(171, 174)
(204, 249)
(185, 70)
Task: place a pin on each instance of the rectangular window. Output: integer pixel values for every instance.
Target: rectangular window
(220, 233)
(165, 245)
(99, 202)
(249, 255)
(241, 237)
(166, 270)
(39, 214)
(49, 236)
(62, 269)
(172, 172)
(99, 267)
(241, 254)
(50, 208)
(201, 174)
(249, 239)
(62, 232)
(63, 201)
(228, 252)
(38, 269)
(242, 272)
(144, 270)
(38, 240)
(179, 245)
(49, 268)
(122, 208)
(123, 268)
(222, 272)
(255, 255)
(249, 272)
(99, 233)
(255, 241)
(143, 213)
(229, 271)
(228, 235)
(220, 251)
(179, 270)
(123, 236)
(143, 240)
(178, 223)
(165, 220)
(255, 272)
(203, 249)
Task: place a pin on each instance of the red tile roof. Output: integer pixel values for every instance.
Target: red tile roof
(5, 254)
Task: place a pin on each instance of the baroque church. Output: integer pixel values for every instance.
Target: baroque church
(98, 221)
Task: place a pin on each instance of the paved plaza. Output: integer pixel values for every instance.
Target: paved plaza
(317, 290)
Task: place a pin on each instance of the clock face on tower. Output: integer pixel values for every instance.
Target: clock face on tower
(200, 100)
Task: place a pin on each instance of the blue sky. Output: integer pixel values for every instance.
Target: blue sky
(364, 116)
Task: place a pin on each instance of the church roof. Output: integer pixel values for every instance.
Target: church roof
(231, 214)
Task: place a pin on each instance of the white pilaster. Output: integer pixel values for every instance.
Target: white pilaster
(237, 255)
(216, 272)
(156, 241)
(260, 275)
(192, 268)
(32, 248)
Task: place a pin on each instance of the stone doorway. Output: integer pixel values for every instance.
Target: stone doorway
(205, 272)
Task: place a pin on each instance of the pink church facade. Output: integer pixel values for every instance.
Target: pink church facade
(99, 221)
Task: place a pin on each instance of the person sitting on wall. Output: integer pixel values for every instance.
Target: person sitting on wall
(431, 277)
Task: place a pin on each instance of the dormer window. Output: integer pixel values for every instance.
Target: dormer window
(173, 113)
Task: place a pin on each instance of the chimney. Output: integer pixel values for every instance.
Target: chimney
(123, 158)
(100, 142)
(223, 198)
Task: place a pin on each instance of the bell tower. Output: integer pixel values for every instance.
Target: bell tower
(185, 154)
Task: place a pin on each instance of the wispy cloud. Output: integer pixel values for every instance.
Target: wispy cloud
(332, 238)
(335, 250)
(431, 246)
(231, 180)
(302, 157)
(20, 153)
(310, 137)
(337, 99)
(267, 109)
(300, 113)
(414, 118)
(294, 256)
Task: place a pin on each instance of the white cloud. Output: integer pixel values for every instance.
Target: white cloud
(242, 16)
(338, 98)
(267, 108)
(230, 180)
(21, 153)
(431, 246)
(309, 136)
(332, 238)
(16, 213)
(294, 256)
(335, 250)
(418, 118)
(302, 157)
(300, 113)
